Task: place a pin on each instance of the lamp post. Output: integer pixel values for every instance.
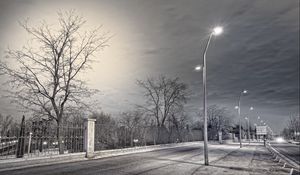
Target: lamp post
(249, 132)
(239, 113)
(248, 128)
(216, 31)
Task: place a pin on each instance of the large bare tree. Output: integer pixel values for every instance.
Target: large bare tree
(163, 95)
(44, 76)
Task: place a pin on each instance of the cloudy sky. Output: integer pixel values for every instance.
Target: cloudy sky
(258, 51)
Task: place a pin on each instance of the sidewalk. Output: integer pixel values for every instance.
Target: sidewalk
(252, 159)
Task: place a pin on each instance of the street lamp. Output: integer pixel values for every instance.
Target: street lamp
(198, 68)
(216, 31)
(249, 134)
(248, 128)
(239, 113)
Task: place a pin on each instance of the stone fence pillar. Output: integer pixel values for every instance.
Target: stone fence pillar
(89, 137)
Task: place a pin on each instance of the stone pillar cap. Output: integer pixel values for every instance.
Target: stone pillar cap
(90, 119)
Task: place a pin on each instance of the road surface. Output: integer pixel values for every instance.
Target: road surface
(184, 160)
(292, 151)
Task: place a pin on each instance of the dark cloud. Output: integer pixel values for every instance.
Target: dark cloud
(258, 51)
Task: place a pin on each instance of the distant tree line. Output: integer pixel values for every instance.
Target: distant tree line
(292, 131)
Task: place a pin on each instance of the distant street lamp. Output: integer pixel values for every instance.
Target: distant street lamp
(249, 134)
(198, 68)
(216, 31)
(248, 128)
(239, 113)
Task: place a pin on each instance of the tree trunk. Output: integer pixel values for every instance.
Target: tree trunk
(131, 138)
(21, 139)
(60, 138)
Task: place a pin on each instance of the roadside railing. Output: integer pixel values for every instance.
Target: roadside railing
(287, 163)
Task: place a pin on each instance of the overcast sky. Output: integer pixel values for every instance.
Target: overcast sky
(258, 51)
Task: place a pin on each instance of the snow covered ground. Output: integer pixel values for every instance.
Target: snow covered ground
(251, 159)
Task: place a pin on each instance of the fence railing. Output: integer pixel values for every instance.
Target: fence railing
(117, 136)
(39, 138)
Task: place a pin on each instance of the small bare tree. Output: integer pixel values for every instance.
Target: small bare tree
(218, 120)
(5, 124)
(44, 75)
(163, 95)
(133, 122)
(294, 126)
(106, 128)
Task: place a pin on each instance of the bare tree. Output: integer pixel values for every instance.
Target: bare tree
(133, 122)
(294, 126)
(219, 120)
(44, 76)
(180, 122)
(163, 95)
(5, 124)
(105, 131)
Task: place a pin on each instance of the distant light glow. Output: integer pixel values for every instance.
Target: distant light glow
(217, 30)
(251, 108)
(236, 107)
(198, 68)
(245, 91)
(279, 140)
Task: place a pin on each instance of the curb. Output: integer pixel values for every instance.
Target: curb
(40, 161)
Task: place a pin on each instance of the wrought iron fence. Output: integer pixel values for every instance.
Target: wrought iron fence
(39, 138)
(114, 136)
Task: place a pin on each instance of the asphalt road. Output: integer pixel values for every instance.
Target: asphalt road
(179, 160)
(292, 151)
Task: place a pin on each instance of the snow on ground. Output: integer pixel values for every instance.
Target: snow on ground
(250, 160)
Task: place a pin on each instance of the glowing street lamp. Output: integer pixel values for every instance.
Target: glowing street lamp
(216, 31)
(198, 68)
